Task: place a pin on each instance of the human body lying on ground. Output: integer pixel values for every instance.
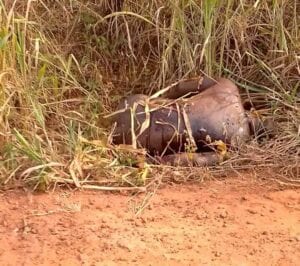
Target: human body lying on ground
(183, 124)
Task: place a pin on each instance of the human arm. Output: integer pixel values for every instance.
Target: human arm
(188, 86)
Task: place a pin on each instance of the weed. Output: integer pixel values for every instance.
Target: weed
(65, 64)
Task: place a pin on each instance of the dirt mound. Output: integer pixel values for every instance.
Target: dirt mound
(233, 222)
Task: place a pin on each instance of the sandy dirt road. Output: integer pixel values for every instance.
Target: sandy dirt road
(227, 222)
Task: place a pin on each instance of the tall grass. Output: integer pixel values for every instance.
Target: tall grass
(65, 64)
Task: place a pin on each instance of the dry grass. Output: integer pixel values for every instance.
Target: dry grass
(65, 64)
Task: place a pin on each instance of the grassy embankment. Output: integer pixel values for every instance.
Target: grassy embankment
(63, 66)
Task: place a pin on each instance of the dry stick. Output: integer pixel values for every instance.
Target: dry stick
(285, 183)
(73, 175)
(115, 113)
(171, 139)
(188, 127)
(8, 98)
(148, 197)
(12, 174)
(162, 91)
(28, 171)
(146, 123)
(140, 189)
(133, 136)
(110, 136)
(49, 213)
(103, 188)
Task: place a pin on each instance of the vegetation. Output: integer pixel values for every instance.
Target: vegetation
(64, 64)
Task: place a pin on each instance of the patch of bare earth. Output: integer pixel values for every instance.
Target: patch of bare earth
(232, 222)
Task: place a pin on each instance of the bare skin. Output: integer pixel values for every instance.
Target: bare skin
(180, 129)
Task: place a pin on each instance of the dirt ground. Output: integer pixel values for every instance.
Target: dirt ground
(229, 222)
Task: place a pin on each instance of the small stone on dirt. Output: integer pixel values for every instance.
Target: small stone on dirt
(223, 214)
(252, 211)
(123, 245)
(218, 254)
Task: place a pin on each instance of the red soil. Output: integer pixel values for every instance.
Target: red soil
(232, 222)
